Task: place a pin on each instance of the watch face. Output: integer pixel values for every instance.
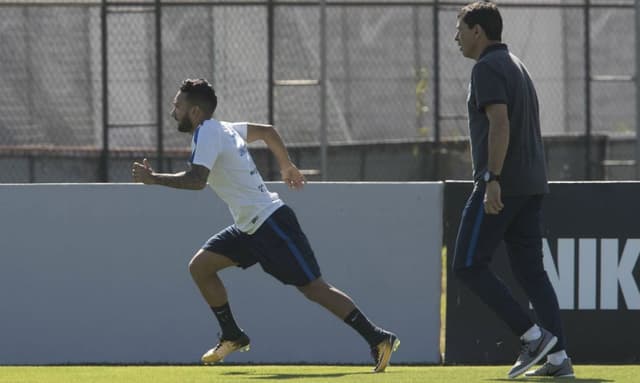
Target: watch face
(487, 175)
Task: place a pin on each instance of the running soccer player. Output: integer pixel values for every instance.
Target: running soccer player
(265, 230)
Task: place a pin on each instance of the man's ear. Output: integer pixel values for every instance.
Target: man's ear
(477, 30)
(194, 110)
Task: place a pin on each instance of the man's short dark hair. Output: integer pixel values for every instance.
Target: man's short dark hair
(485, 14)
(200, 93)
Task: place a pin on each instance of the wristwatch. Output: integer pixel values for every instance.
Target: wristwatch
(490, 176)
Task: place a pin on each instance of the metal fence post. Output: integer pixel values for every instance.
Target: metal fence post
(270, 53)
(346, 54)
(587, 87)
(323, 89)
(637, 79)
(436, 89)
(159, 101)
(104, 156)
(270, 79)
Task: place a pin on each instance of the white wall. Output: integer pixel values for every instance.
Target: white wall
(98, 273)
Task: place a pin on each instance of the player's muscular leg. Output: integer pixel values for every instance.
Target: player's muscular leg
(334, 300)
(204, 267)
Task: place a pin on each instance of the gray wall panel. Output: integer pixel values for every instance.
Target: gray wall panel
(98, 273)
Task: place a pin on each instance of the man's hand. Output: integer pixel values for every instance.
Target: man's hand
(292, 177)
(492, 198)
(142, 172)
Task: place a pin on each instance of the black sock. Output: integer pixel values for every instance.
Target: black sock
(359, 322)
(230, 330)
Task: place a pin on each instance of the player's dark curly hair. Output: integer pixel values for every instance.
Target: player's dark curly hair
(199, 92)
(485, 14)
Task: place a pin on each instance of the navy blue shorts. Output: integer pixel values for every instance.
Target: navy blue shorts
(279, 245)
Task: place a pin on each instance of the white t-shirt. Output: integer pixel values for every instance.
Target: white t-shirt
(221, 148)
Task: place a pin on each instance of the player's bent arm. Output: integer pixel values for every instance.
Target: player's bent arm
(270, 136)
(498, 136)
(192, 179)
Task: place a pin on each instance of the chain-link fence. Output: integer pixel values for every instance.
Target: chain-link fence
(92, 80)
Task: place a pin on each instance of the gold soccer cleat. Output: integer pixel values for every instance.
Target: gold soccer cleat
(224, 348)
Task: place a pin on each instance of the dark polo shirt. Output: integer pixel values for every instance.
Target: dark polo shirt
(499, 77)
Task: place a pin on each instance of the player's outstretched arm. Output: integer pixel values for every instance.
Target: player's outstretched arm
(193, 179)
(290, 173)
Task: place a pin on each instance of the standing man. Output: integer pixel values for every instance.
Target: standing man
(506, 202)
(265, 231)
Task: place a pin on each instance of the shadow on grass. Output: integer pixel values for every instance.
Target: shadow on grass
(254, 375)
(550, 379)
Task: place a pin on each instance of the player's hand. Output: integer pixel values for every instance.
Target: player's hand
(492, 198)
(292, 177)
(142, 172)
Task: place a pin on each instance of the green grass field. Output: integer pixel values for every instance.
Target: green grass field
(296, 374)
(303, 373)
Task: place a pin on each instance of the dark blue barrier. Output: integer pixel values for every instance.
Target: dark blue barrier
(591, 245)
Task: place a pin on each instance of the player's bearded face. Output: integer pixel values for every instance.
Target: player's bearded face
(185, 125)
(180, 113)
